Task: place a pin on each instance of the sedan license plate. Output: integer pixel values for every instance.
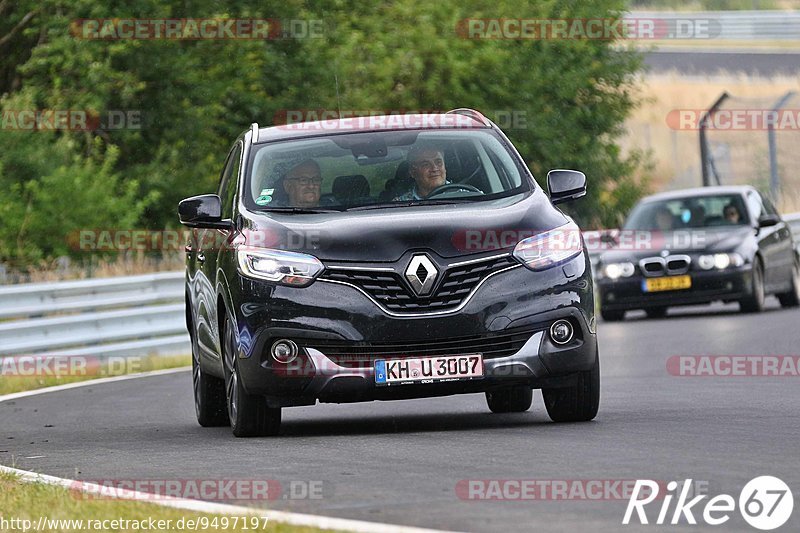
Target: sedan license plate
(671, 283)
(428, 369)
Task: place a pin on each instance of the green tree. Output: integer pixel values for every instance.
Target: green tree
(194, 97)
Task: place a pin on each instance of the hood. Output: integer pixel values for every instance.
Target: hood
(384, 235)
(635, 244)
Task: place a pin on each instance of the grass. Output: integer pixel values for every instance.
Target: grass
(116, 367)
(676, 154)
(29, 501)
(123, 264)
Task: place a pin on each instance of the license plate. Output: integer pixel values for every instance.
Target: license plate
(672, 283)
(428, 369)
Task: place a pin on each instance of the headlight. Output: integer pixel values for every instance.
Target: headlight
(720, 261)
(618, 270)
(287, 268)
(550, 248)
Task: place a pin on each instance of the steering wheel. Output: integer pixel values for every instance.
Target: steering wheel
(453, 186)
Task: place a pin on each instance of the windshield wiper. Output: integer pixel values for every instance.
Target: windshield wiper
(301, 210)
(410, 203)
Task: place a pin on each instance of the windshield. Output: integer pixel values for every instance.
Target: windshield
(365, 170)
(691, 212)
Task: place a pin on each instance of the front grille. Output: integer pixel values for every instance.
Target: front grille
(670, 265)
(653, 267)
(678, 264)
(391, 290)
(364, 355)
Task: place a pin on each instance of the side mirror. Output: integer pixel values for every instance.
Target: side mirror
(204, 211)
(765, 221)
(566, 185)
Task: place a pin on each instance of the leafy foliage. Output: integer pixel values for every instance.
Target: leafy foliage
(195, 97)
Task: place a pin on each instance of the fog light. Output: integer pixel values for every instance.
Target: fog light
(284, 351)
(561, 331)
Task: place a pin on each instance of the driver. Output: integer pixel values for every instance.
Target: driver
(426, 166)
(731, 213)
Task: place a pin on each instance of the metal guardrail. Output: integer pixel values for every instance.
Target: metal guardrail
(136, 315)
(125, 316)
(731, 25)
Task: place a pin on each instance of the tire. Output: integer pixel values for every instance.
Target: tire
(656, 312)
(612, 316)
(754, 302)
(515, 399)
(792, 297)
(578, 403)
(209, 394)
(249, 415)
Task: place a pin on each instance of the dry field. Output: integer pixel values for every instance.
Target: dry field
(675, 153)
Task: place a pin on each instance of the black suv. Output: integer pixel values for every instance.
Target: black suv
(385, 258)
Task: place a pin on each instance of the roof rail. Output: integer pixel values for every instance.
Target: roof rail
(254, 132)
(476, 115)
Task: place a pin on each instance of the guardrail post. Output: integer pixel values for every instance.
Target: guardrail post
(705, 160)
(774, 173)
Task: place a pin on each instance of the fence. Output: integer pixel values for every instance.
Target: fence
(752, 141)
(136, 315)
(728, 25)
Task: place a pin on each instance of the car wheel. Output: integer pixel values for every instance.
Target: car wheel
(792, 298)
(209, 395)
(754, 302)
(511, 400)
(578, 403)
(612, 316)
(656, 312)
(249, 415)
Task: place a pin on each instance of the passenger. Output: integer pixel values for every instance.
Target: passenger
(303, 184)
(664, 219)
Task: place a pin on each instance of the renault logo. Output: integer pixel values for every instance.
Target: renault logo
(421, 273)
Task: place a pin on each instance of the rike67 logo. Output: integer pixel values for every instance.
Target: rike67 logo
(765, 503)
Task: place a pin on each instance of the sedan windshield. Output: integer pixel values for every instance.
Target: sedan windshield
(690, 212)
(381, 169)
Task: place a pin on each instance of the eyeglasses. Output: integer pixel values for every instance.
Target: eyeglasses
(429, 164)
(305, 182)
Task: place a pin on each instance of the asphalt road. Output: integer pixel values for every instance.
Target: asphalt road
(699, 63)
(400, 462)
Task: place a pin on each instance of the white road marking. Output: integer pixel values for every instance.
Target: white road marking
(283, 517)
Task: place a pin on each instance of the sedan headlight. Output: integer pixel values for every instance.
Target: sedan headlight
(550, 248)
(720, 261)
(618, 270)
(286, 268)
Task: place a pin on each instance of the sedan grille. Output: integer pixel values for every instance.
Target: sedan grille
(391, 290)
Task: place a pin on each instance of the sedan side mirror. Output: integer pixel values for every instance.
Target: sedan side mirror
(566, 185)
(204, 211)
(765, 221)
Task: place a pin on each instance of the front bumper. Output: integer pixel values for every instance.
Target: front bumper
(326, 320)
(707, 287)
